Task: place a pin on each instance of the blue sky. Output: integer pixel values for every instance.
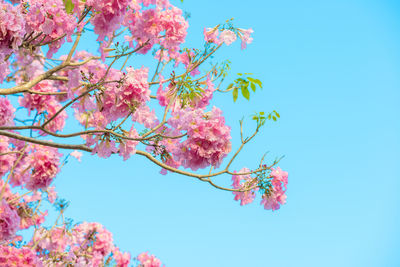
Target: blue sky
(332, 70)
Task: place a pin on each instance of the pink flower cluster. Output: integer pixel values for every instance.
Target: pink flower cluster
(6, 160)
(45, 166)
(9, 221)
(12, 31)
(147, 260)
(87, 244)
(38, 102)
(128, 147)
(162, 25)
(244, 182)
(276, 195)
(21, 257)
(208, 138)
(50, 18)
(213, 35)
(108, 17)
(37, 167)
(6, 112)
(100, 240)
(134, 92)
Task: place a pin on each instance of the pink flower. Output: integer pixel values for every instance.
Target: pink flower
(147, 260)
(108, 17)
(12, 31)
(9, 221)
(7, 160)
(96, 236)
(21, 257)
(274, 199)
(119, 101)
(244, 182)
(228, 37)
(244, 35)
(51, 194)
(105, 148)
(162, 25)
(35, 101)
(50, 17)
(58, 123)
(279, 176)
(76, 154)
(144, 116)
(44, 162)
(128, 147)
(208, 138)
(6, 112)
(211, 35)
(122, 259)
(55, 241)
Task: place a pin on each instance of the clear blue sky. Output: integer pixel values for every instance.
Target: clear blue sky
(332, 70)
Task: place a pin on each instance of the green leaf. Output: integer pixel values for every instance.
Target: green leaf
(257, 81)
(245, 92)
(274, 118)
(253, 87)
(235, 94)
(229, 86)
(277, 114)
(69, 6)
(262, 113)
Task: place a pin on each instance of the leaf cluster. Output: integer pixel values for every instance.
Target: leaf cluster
(243, 83)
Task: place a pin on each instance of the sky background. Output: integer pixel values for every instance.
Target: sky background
(332, 71)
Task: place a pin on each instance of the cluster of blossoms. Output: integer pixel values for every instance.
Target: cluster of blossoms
(208, 138)
(274, 196)
(12, 31)
(9, 221)
(23, 257)
(147, 260)
(163, 25)
(37, 166)
(133, 94)
(28, 21)
(213, 35)
(245, 182)
(49, 18)
(6, 112)
(109, 15)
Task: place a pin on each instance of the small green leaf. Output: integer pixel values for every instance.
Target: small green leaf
(257, 81)
(262, 113)
(245, 92)
(69, 6)
(274, 118)
(229, 86)
(240, 74)
(235, 94)
(277, 114)
(253, 87)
